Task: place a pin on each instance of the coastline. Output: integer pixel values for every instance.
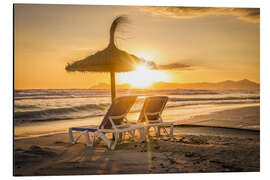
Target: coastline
(198, 147)
(180, 116)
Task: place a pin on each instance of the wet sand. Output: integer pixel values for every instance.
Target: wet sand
(200, 145)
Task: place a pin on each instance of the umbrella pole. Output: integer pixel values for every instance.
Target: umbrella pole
(112, 85)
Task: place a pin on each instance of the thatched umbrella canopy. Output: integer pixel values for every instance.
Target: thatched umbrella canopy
(111, 59)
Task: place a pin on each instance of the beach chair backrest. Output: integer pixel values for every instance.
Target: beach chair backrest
(120, 107)
(155, 104)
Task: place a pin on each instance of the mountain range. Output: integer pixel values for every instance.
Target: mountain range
(225, 85)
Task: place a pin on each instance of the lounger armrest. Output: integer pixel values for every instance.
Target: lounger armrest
(152, 114)
(125, 123)
(117, 117)
(159, 119)
(111, 118)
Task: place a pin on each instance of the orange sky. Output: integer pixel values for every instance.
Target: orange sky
(215, 43)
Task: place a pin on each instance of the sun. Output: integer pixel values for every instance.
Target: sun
(143, 77)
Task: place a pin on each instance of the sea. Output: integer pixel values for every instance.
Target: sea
(40, 105)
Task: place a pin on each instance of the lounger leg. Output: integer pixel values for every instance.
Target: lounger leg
(142, 135)
(104, 138)
(115, 141)
(171, 131)
(158, 131)
(121, 136)
(96, 139)
(87, 138)
(148, 133)
(93, 139)
(71, 136)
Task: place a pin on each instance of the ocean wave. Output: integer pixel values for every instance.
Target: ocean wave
(215, 98)
(67, 104)
(59, 94)
(84, 93)
(56, 97)
(211, 103)
(47, 113)
(92, 110)
(19, 106)
(194, 92)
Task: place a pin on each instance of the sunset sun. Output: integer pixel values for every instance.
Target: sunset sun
(143, 77)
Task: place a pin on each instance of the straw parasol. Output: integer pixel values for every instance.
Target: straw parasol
(111, 59)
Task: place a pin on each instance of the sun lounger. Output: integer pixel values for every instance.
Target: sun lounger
(114, 122)
(151, 115)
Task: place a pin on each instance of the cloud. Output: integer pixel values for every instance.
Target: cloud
(244, 14)
(173, 66)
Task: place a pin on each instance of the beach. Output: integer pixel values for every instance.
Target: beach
(193, 69)
(217, 140)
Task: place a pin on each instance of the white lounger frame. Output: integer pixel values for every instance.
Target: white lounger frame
(117, 130)
(158, 123)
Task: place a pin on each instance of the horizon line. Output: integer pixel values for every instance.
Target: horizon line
(137, 88)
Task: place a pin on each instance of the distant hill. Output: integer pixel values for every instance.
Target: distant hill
(242, 84)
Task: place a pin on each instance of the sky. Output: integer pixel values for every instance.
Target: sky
(192, 44)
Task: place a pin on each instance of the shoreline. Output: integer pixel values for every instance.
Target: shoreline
(37, 129)
(196, 148)
(216, 127)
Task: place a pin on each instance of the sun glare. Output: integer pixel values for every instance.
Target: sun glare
(143, 77)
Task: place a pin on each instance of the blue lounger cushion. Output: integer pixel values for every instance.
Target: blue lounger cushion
(85, 128)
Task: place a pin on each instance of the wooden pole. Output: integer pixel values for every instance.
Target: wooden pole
(113, 85)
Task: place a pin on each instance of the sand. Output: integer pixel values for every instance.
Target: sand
(200, 145)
